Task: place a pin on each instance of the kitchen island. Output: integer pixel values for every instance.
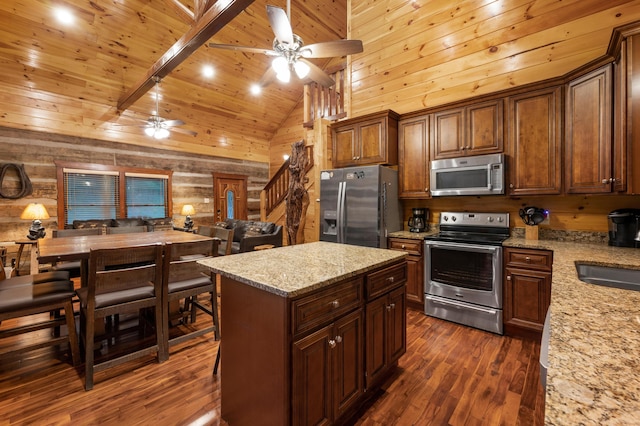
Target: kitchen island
(594, 345)
(308, 330)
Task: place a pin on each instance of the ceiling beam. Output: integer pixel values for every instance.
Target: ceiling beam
(212, 21)
(182, 11)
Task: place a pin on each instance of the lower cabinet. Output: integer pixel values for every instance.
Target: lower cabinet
(527, 291)
(415, 269)
(386, 334)
(327, 375)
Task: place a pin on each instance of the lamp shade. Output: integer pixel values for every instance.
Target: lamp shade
(187, 210)
(35, 211)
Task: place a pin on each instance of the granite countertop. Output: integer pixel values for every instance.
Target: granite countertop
(593, 376)
(295, 270)
(412, 235)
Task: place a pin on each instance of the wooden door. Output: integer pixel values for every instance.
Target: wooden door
(535, 137)
(344, 145)
(413, 152)
(527, 298)
(588, 133)
(230, 196)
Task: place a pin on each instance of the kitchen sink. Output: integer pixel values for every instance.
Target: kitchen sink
(628, 279)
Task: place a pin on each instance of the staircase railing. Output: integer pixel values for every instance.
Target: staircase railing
(276, 190)
(325, 102)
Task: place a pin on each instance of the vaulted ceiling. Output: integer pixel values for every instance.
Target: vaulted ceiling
(77, 73)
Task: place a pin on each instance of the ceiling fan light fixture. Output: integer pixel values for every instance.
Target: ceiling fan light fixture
(280, 65)
(284, 76)
(149, 131)
(302, 69)
(161, 133)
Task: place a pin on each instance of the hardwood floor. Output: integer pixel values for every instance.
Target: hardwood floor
(450, 375)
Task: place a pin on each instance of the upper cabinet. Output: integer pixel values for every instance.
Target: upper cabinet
(588, 133)
(535, 135)
(471, 130)
(413, 156)
(370, 139)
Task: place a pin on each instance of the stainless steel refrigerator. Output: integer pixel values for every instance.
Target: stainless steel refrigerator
(359, 205)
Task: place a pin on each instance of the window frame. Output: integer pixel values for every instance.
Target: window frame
(122, 171)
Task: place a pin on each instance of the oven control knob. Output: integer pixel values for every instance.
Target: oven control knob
(446, 218)
(500, 219)
(490, 219)
(453, 218)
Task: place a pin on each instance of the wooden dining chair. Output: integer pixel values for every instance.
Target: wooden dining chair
(72, 266)
(28, 296)
(226, 239)
(184, 278)
(121, 281)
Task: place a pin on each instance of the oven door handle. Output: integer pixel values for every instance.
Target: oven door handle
(462, 246)
(460, 305)
(489, 176)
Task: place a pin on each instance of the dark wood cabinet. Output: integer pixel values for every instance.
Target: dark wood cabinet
(588, 133)
(386, 334)
(535, 142)
(413, 156)
(370, 139)
(327, 374)
(471, 130)
(415, 269)
(527, 290)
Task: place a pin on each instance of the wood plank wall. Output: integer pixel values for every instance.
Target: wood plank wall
(192, 179)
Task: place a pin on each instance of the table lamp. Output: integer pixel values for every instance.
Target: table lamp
(35, 212)
(188, 210)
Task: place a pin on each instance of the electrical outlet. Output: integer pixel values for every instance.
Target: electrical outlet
(546, 219)
(206, 201)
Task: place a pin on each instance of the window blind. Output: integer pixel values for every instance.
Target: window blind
(146, 196)
(90, 195)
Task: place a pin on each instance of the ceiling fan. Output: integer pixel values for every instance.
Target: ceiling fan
(291, 53)
(160, 128)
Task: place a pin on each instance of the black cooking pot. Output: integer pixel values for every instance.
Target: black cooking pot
(533, 216)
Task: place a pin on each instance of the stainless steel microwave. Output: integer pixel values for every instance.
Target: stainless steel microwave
(477, 175)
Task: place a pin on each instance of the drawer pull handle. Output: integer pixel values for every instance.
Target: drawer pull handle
(335, 304)
(390, 279)
(332, 343)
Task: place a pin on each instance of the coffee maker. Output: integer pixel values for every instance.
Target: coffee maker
(418, 220)
(624, 228)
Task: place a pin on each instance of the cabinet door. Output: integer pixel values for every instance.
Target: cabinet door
(527, 298)
(396, 325)
(535, 142)
(413, 151)
(484, 128)
(312, 383)
(415, 281)
(375, 339)
(588, 133)
(373, 142)
(347, 362)
(620, 96)
(344, 146)
(448, 133)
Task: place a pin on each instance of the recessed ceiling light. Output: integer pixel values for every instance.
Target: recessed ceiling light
(208, 71)
(256, 89)
(64, 15)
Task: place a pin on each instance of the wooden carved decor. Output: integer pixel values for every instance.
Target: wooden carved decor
(298, 197)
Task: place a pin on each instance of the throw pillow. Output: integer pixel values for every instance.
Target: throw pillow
(253, 231)
(221, 225)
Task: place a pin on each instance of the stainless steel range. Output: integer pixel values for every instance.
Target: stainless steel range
(463, 269)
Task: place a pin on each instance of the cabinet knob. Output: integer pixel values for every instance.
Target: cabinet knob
(426, 190)
(610, 180)
(508, 277)
(338, 339)
(403, 247)
(510, 185)
(390, 279)
(388, 307)
(527, 259)
(332, 343)
(393, 305)
(335, 304)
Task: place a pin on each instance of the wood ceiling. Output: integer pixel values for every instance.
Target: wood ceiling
(78, 73)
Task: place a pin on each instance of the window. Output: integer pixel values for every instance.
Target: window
(106, 192)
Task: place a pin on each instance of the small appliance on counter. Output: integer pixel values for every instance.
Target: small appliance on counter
(624, 228)
(418, 220)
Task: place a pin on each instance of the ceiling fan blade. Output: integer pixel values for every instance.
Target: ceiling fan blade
(183, 131)
(280, 24)
(316, 74)
(330, 49)
(171, 123)
(244, 49)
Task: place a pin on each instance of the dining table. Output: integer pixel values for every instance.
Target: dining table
(51, 250)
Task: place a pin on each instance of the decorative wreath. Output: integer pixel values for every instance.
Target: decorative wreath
(25, 184)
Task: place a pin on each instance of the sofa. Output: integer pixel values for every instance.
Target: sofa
(157, 224)
(247, 234)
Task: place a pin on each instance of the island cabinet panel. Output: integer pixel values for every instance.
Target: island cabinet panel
(535, 142)
(527, 291)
